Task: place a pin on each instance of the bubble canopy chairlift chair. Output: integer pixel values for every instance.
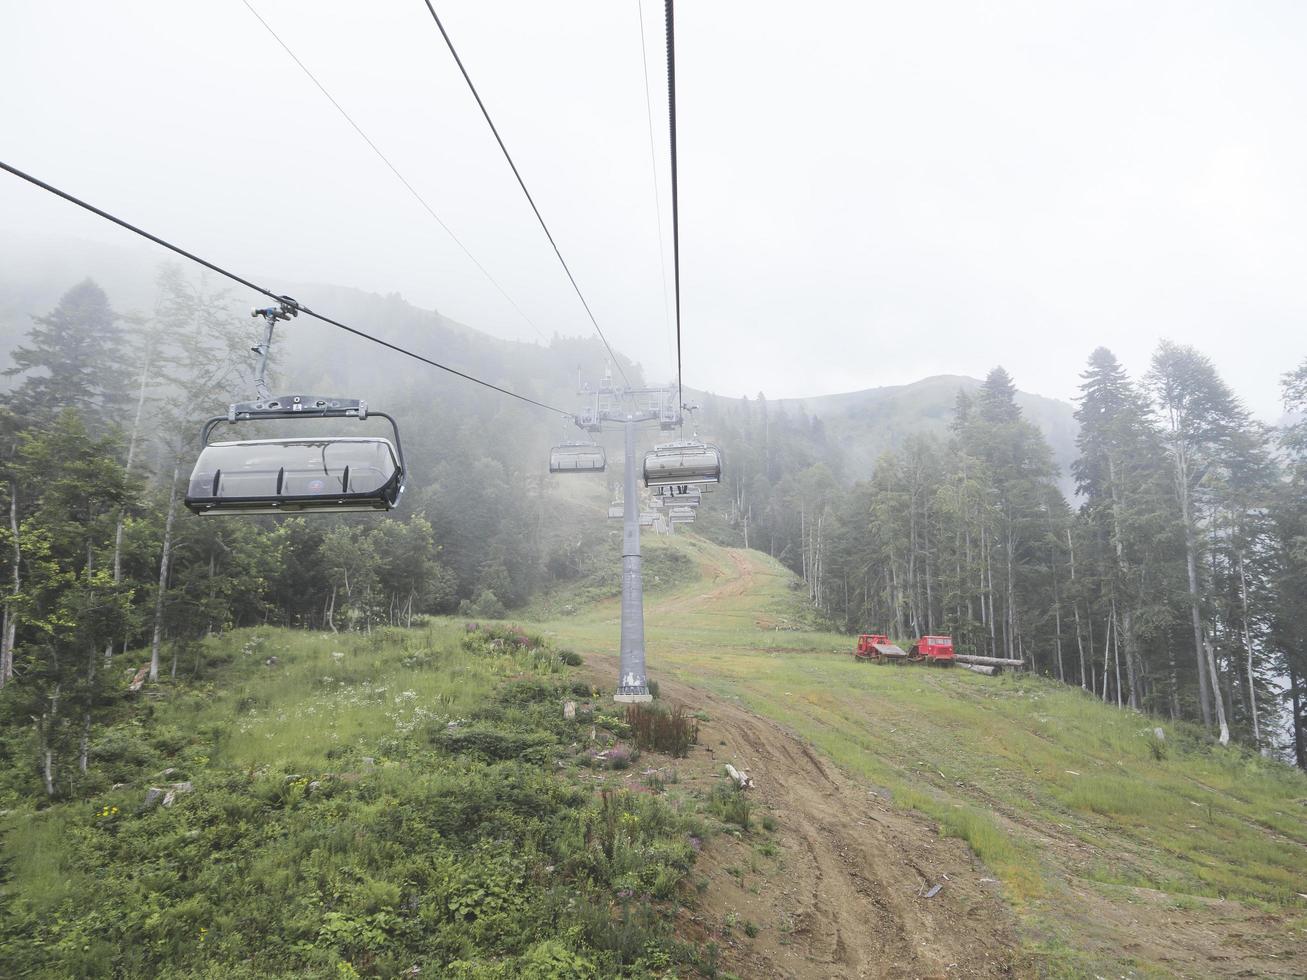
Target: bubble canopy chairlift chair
(681, 463)
(298, 474)
(578, 457)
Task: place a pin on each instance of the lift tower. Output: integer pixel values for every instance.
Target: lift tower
(630, 407)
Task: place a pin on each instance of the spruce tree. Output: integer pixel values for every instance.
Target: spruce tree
(73, 358)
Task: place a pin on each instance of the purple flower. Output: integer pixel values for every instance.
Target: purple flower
(696, 843)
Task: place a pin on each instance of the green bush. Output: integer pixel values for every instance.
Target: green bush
(654, 727)
(730, 805)
(462, 849)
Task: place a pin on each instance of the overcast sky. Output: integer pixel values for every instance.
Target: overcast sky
(870, 192)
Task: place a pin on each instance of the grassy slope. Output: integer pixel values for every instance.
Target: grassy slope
(1064, 798)
(339, 827)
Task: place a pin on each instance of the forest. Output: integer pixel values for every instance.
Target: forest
(1172, 583)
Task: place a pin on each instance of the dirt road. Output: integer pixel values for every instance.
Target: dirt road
(846, 897)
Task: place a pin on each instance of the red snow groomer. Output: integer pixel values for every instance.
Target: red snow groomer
(938, 650)
(876, 646)
(933, 649)
(930, 649)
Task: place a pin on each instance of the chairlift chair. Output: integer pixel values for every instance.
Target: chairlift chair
(681, 515)
(578, 457)
(682, 463)
(332, 474)
(616, 510)
(680, 495)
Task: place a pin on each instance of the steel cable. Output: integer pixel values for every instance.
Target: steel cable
(269, 293)
(395, 170)
(522, 183)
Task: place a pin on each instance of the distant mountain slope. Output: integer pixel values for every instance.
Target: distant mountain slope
(869, 422)
(36, 271)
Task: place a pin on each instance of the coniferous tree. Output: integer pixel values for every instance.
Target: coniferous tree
(73, 358)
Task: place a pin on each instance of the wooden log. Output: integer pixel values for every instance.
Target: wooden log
(889, 650)
(979, 669)
(741, 779)
(966, 658)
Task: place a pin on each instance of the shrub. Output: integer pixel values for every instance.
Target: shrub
(730, 804)
(654, 727)
(494, 744)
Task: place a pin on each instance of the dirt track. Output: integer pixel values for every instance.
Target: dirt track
(845, 895)
(847, 899)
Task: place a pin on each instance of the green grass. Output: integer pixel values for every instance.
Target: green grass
(361, 805)
(1019, 767)
(1051, 789)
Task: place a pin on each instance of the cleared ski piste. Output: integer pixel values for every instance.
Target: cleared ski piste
(1115, 851)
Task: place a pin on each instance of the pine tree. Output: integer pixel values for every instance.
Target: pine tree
(73, 358)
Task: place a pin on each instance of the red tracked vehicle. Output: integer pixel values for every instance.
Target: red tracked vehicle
(933, 649)
(876, 646)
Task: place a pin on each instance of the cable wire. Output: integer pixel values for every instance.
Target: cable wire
(268, 292)
(676, 214)
(395, 170)
(653, 170)
(522, 183)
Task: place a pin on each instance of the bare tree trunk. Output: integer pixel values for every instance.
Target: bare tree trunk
(930, 593)
(85, 746)
(1057, 626)
(1191, 566)
(44, 726)
(1075, 606)
(11, 613)
(1116, 652)
(127, 469)
(163, 574)
(1107, 656)
(1010, 621)
(1216, 687)
(1248, 649)
(1296, 706)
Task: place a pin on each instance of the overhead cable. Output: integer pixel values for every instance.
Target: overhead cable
(268, 292)
(676, 214)
(653, 170)
(395, 170)
(522, 183)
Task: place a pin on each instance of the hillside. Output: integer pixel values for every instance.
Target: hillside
(867, 423)
(1115, 850)
(344, 794)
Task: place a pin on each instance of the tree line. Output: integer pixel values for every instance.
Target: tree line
(1175, 582)
(98, 556)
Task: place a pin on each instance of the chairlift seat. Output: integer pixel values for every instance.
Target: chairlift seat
(679, 463)
(578, 457)
(278, 476)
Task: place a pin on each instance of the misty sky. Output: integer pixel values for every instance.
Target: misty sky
(870, 192)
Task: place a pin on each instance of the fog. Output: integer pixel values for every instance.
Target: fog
(869, 193)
